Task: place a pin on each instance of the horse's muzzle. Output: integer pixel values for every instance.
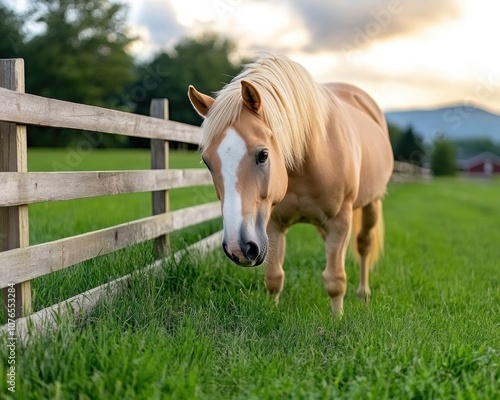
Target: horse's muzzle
(250, 254)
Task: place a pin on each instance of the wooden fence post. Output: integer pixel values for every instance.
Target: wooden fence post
(14, 228)
(159, 160)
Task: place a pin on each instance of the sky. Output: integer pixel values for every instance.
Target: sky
(405, 53)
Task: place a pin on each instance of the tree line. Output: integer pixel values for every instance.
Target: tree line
(441, 155)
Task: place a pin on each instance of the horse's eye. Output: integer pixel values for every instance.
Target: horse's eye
(262, 156)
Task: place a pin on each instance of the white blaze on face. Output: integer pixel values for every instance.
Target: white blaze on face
(231, 151)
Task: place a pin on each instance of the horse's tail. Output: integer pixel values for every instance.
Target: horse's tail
(376, 233)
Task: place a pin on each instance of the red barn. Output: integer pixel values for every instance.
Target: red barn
(484, 164)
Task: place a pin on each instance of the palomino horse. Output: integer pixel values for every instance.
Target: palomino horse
(283, 149)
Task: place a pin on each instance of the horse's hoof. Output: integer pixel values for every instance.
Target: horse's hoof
(364, 294)
(275, 297)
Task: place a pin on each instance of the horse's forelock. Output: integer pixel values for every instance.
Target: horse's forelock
(294, 107)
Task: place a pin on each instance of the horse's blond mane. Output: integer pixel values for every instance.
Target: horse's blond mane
(293, 105)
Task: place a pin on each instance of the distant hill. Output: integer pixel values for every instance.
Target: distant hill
(455, 122)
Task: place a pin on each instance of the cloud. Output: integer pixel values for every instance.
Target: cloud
(405, 52)
(342, 24)
(289, 26)
(156, 23)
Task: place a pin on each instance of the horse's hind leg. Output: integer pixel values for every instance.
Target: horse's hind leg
(370, 216)
(275, 275)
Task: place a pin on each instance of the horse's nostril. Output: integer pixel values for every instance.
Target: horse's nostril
(229, 255)
(252, 251)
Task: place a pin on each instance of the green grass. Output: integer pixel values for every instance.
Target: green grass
(206, 329)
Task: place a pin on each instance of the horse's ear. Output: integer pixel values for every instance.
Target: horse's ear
(251, 96)
(201, 102)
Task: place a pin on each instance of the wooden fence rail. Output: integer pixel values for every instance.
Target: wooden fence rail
(22, 264)
(19, 262)
(28, 109)
(404, 171)
(34, 187)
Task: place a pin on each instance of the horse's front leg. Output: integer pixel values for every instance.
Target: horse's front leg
(275, 275)
(336, 241)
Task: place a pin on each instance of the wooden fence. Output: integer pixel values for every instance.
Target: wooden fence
(404, 172)
(20, 262)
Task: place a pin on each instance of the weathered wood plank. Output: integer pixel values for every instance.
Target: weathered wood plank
(27, 263)
(33, 187)
(159, 161)
(14, 227)
(28, 109)
(83, 303)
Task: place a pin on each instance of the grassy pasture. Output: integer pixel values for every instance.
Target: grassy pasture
(206, 329)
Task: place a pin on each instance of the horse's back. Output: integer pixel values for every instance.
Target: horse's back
(368, 123)
(359, 99)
